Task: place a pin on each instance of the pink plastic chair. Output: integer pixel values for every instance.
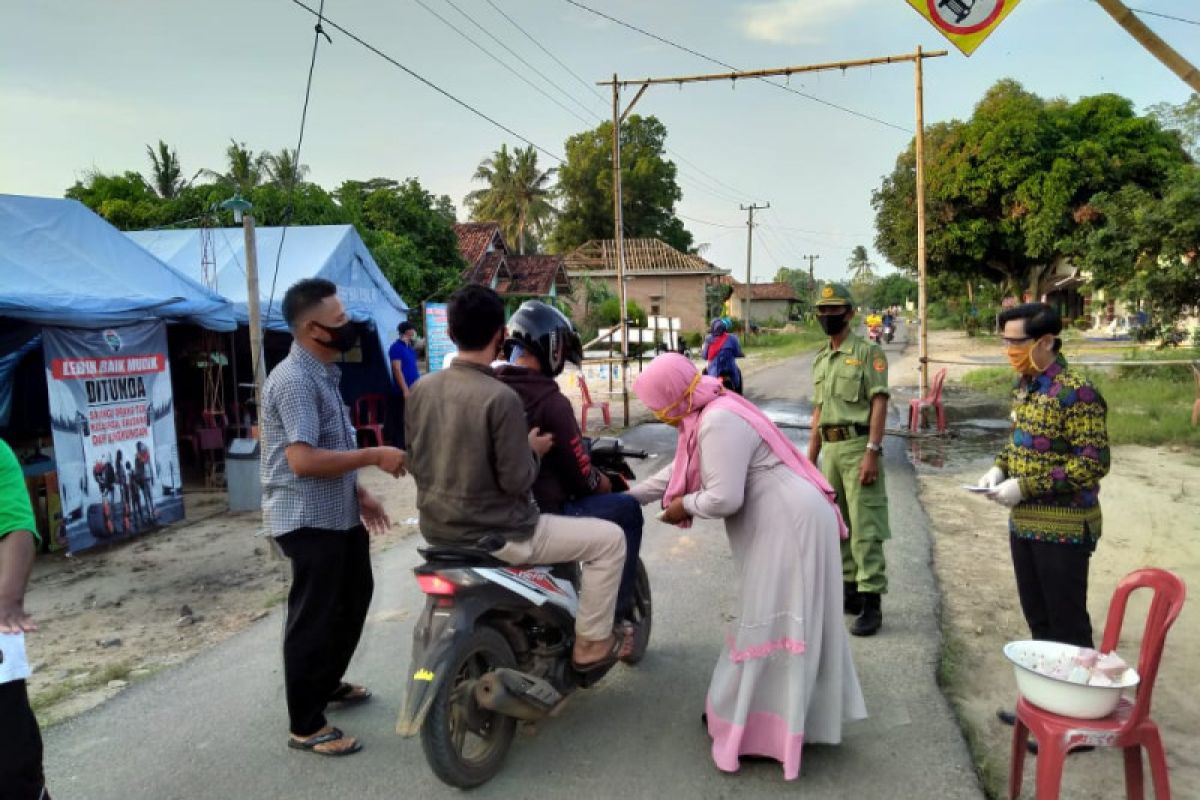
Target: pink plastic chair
(1129, 727)
(934, 399)
(589, 404)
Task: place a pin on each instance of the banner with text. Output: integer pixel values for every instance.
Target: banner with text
(438, 347)
(113, 415)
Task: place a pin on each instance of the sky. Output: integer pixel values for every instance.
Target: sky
(87, 85)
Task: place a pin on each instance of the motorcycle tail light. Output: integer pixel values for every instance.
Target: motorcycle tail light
(436, 585)
(447, 582)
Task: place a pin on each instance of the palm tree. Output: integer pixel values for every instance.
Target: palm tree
(860, 266)
(244, 169)
(166, 174)
(517, 194)
(284, 168)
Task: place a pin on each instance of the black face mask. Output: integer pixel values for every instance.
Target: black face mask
(342, 338)
(832, 325)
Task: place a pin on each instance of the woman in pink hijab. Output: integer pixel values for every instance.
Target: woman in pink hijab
(786, 677)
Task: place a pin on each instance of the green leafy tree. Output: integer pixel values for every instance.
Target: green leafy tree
(1184, 119)
(1008, 189)
(409, 231)
(649, 187)
(125, 200)
(893, 290)
(244, 169)
(859, 265)
(517, 194)
(284, 168)
(1144, 245)
(166, 176)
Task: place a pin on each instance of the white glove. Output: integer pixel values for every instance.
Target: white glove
(1007, 493)
(991, 478)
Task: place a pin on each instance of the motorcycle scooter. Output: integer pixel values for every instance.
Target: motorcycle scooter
(493, 646)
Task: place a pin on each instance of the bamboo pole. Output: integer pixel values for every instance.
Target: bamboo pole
(922, 291)
(1148, 39)
(783, 71)
(619, 241)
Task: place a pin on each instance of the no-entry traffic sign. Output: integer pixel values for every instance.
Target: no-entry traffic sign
(966, 23)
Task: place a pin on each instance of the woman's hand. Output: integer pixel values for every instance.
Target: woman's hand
(675, 513)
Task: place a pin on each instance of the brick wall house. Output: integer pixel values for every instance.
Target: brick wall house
(662, 280)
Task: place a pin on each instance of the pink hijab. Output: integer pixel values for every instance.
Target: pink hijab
(664, 386)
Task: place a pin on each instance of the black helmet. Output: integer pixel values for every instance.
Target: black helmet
(545, 332)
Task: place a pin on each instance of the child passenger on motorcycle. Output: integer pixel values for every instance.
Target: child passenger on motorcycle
(540, 342)
(475, 459)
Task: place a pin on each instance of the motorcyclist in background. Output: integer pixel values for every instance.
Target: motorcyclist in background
(540, 341)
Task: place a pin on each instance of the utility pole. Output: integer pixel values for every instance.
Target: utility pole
(619, 242)
(813, 277)
(750, 209)
(922, 293)
(241, 209)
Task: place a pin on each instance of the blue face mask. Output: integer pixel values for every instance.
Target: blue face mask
(516, 353)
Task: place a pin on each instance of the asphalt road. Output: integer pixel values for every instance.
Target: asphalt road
(216, 726)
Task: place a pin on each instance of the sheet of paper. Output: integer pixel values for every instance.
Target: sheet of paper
(14, 666)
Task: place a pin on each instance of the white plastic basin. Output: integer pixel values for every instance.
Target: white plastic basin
(1057, 695)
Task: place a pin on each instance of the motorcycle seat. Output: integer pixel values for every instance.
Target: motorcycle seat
(443, 554)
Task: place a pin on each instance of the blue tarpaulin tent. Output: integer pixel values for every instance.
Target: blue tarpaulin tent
(333, 252)
(62, 264)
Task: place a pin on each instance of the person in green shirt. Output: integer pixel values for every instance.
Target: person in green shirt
(850, 397)
(21, 776)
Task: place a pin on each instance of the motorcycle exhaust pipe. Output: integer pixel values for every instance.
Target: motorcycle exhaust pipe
(515, 694)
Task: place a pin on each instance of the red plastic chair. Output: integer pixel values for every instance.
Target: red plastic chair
(1129, 727)
(934, 399)
(589, 404)
(370, 413)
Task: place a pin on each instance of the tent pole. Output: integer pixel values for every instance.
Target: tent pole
(252, 302)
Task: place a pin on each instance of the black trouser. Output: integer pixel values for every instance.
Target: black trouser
(393, 427)
(327, 606)
(21, 775)
(1052, 581)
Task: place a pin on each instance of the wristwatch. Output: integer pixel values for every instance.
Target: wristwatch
(874, 448)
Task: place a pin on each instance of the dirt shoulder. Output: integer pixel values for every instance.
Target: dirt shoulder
(109, 617)
(1151, 501)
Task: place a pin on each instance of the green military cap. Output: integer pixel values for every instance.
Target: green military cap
(834, 294)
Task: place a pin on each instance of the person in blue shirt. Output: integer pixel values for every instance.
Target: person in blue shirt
(405, 372)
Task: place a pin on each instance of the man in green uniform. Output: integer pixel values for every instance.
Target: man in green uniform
(850, 396)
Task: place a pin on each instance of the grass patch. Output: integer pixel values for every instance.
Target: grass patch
(63, 689)
(1146, 405)
(784, 345)
(274, 599)
(993, 776)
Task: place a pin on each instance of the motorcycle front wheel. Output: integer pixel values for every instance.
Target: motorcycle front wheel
(465, 744)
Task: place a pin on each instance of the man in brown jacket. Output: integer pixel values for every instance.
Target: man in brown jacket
(475, 460)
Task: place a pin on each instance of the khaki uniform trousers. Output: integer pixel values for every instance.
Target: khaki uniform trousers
(598, 544)
(865, 510)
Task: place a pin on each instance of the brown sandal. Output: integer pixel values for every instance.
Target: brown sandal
(316, 740)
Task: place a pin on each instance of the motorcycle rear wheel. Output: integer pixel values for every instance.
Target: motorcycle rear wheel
(464, 744)
(642, 614)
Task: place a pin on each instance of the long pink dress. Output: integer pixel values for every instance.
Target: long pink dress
(786, 675)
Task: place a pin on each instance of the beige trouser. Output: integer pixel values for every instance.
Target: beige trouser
(599, 544)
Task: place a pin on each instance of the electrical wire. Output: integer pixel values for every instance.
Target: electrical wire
(413, 74)
(518, 57)
(502, 62)
(1164, 16)
(706, 222)
(714, 181)
(541, 47)
(717, 61)
(318, 32)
